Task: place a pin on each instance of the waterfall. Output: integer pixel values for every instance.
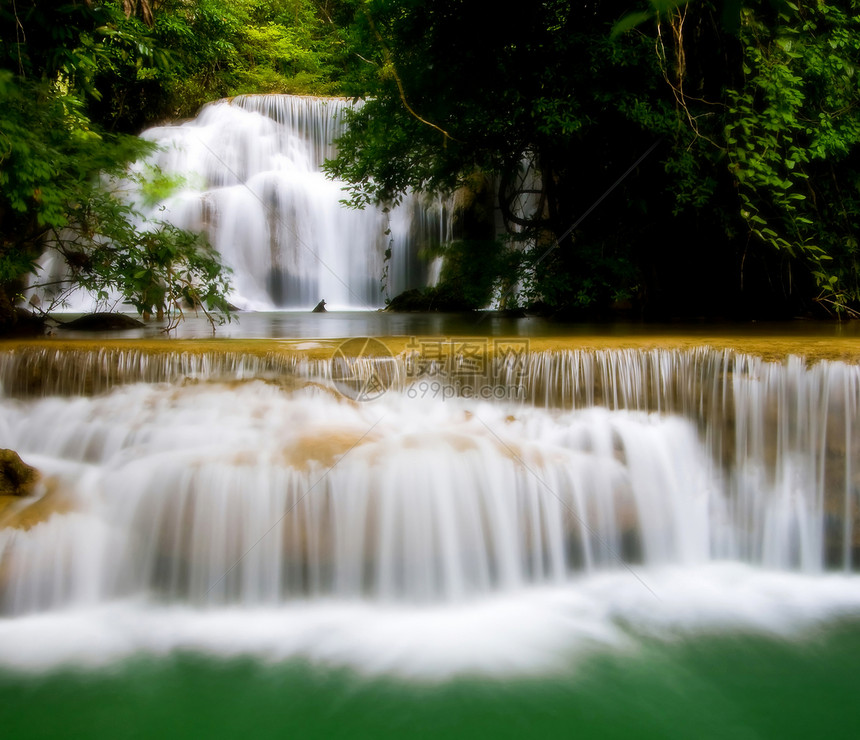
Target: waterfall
(250, 178)
(667, 487)
(607, 458)
(253, 183)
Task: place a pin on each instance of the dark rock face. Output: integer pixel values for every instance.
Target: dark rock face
(16, 477)
(18, 322)
(474, 210)
(410, 300)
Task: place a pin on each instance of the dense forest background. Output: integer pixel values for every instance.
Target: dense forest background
(654, 159)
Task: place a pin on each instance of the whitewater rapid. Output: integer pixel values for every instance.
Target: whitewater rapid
(421, 534)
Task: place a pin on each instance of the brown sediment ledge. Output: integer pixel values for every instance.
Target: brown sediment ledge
(24, 513)
(772, 348)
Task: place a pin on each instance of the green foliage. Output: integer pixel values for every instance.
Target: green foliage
(792, 133)
(548, 103)
(54, 159)
(757, 197)
(753, 193)
(657, 9)
(117, 255)
(610, 278)
(130, 72)
(221, 48)
(473, 270)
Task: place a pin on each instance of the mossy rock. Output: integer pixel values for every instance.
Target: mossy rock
(24, 513)
(442, 299)
(16, 477)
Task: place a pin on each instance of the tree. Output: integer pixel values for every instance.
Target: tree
(785, 123)
(748, 203)
(55, 161)
(193, 52)
(793, 138)
(548, 104)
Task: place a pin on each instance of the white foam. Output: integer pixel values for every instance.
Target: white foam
(532, 631)
(423, 538)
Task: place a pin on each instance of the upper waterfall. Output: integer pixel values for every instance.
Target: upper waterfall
(252, 181)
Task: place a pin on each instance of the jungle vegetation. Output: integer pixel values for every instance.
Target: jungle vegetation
(647, 157)
(680, 159)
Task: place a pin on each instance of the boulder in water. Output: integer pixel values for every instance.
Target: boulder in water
(320, 307)
(16, 477)
(440, 298)
(103, 321)
(19, 322)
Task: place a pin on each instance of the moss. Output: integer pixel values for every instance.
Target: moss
(776, 347)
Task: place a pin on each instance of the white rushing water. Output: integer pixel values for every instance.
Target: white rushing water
(251, 179)
(254, 185)
(625, 492)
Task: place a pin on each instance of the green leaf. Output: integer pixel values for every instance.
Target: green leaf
(628, 22)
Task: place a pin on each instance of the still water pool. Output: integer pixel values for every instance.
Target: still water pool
(723, 686)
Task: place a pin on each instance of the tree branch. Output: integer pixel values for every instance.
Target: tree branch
(402, 92)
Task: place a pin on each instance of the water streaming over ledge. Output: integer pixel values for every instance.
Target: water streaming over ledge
(221, 480)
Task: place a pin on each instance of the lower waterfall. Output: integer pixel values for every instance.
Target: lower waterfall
(237, 505)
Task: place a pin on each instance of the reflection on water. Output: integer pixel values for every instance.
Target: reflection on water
(303, 324)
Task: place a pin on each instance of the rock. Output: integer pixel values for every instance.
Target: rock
(103, 321)
(320, 307)
(20, 322)
(474, 211)
(16, 477)
(443, 299)
(409, 300)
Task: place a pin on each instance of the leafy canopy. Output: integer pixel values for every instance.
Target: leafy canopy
(54, 158)
(749, 202)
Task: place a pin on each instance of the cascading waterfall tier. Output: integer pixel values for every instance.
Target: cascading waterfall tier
(254, 185)
(221, 478)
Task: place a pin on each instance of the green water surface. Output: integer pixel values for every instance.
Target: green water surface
(728, 686)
